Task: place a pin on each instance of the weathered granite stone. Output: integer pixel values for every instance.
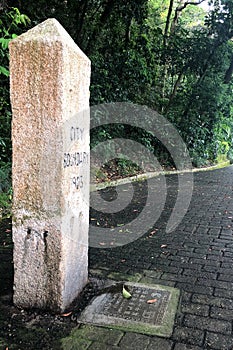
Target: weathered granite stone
(50, 79)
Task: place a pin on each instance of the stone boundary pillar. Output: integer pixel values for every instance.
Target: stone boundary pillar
(50, 79)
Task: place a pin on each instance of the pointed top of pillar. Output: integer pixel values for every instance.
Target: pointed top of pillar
(48, 31)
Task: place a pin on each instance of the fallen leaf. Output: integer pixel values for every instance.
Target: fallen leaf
(126, 294)
(67, 314)
(163, 246)
(151, 301)
(152, 233)
(101, 243)
(127, 231)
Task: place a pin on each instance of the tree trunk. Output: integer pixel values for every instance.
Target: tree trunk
(229, 73)
(103, 18)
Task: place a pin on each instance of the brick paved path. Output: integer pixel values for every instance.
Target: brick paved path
(197, 258)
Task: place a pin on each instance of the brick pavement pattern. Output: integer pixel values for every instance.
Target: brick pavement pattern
(196, 258)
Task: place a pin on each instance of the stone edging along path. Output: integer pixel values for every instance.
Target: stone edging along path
(145, 176)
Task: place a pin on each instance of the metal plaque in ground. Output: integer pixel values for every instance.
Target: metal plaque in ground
(150, 310)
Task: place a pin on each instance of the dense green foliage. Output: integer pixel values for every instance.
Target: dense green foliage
(171, 55)
(12, 23)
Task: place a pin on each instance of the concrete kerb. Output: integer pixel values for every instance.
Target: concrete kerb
(149, 175)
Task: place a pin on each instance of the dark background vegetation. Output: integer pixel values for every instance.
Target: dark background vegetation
(170, 55)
